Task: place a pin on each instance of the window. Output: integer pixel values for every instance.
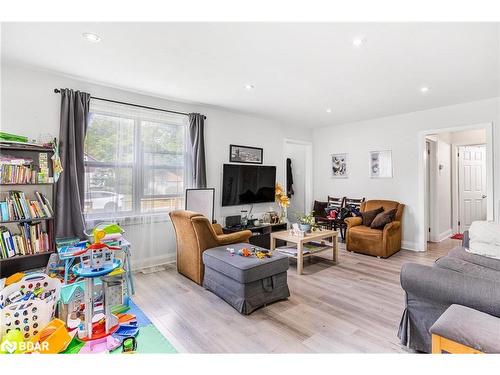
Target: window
(134, 161)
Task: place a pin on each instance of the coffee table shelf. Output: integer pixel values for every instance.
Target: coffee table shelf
(317, 236)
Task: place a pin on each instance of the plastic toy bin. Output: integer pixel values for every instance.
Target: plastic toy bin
(33, 315)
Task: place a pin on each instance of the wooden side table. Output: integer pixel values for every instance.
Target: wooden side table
(442, 344)
(300, 241)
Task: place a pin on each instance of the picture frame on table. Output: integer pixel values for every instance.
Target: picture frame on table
(339, 165)
(246, 154)
(380, 164)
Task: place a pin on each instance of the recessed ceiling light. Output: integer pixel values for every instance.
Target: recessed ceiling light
(424, 89)
(91, 37)
(328, 110)
(358, 41)
(249, 86)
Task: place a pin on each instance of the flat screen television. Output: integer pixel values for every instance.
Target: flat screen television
(247, 184)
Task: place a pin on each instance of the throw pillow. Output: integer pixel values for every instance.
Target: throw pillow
(383, 218)
(368, 216)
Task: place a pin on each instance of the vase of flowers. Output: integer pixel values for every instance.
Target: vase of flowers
(283, 201)
(306, 221)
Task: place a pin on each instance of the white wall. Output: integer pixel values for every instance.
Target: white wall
(470, 137)
(297, 153)
(30, 107)
(400, 134)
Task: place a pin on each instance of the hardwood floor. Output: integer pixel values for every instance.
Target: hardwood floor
(354, 306)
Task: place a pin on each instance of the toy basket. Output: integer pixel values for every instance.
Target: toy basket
(33, 315)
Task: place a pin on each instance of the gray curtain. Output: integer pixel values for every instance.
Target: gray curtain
(198, 173)
(70, 193)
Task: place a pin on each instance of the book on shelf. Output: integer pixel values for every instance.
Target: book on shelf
(31, 239)
(17, 206)
(17, 170)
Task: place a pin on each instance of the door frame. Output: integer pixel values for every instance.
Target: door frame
(421, 171)
(455, 193)
(308, 175)
(430, 187)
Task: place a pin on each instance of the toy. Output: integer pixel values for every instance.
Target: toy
(95, 261)
(70, 305)
(129, 345)
(52, 339)
(28, 304)
(102, 345)
(14, 278)
(67, 254)
(263, 253)
(127, 330)
(120, 309)
(114, 291)
(11, 342)
(123, 318)
(107, 231)
(244, 252)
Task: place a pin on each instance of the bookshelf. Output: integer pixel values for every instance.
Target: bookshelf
(34, 155)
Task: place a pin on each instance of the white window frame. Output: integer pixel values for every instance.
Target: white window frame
(137, 170)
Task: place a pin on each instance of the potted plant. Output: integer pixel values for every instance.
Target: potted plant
(306, 221)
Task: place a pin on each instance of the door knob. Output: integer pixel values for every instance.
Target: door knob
(484, 196)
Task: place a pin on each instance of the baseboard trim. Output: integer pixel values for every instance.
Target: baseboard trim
(442, 236)
(408, 245)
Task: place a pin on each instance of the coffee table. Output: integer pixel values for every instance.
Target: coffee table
(319, 235)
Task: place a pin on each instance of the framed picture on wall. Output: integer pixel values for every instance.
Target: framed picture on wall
(339, 165)
(380, 164)
(245, 154)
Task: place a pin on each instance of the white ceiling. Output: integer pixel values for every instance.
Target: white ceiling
(298, 69)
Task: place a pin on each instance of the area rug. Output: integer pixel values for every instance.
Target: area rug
(149, 339)
(457, 236)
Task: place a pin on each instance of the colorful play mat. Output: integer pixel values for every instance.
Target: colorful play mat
(149, 339)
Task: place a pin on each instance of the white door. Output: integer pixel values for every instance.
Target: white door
(471, 185)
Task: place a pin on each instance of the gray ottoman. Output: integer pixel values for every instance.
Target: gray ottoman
(246, 283)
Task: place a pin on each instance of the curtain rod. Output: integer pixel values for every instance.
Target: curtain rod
(57, 91)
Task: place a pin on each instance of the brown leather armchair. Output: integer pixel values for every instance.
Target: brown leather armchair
(195, 234)
(378, 242)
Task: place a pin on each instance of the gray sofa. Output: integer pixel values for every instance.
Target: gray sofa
(458, 278)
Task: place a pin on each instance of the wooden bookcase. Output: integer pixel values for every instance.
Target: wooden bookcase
(18, 263)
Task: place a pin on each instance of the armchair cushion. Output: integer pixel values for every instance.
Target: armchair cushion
(353, 221)
(383, 218)
(369, 216)
(241, 236)
(217, 228)
(367, 233)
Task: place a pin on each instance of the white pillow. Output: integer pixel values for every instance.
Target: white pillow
(484, 239)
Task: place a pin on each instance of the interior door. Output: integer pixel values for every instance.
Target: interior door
(471, 185)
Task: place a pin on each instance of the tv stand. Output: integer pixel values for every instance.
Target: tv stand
(261, 235)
